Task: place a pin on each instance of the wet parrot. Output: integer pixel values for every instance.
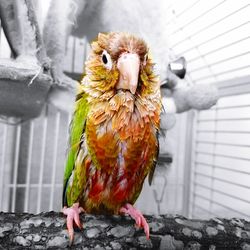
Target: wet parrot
(114, 131)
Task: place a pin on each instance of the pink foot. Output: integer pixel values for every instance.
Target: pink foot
(137, 216)
(72, 216)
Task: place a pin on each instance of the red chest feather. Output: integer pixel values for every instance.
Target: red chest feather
(123, 149)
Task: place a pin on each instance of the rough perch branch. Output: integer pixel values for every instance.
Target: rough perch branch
(48, 230)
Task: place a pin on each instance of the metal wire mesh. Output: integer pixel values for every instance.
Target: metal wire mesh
(32, 165)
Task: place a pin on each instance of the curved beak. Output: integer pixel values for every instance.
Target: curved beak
(128, 65)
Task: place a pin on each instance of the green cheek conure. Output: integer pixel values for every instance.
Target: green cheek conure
(114, 131)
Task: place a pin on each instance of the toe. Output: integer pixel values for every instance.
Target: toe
(72, 214)
(123, 210)
(138, 221)
(71, 236)
(70, 229)
(146, 228)
(77, 220)
(65, 210)
(70, 224)
(81, 210)
(137, 216)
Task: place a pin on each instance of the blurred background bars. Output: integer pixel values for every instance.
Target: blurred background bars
(32, 173)
(211, 168)
(214, 38)
(221, 160)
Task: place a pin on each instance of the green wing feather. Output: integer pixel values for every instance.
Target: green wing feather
(77, 130)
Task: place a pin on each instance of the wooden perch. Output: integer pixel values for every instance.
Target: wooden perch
(48, 230)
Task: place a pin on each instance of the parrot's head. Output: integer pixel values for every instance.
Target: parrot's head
(120, 62)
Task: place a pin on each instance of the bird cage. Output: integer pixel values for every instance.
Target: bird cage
(210, 172)
(33, 150)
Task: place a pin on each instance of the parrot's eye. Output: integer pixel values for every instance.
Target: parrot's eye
(106, 59)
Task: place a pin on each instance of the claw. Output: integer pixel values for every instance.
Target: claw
(72, 214)
(137, 216)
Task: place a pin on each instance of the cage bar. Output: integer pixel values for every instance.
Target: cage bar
(2, 166)
(15, 172)
(54, 162)
(27, 187)
(222, 180)
(212, 24)
(42, 163)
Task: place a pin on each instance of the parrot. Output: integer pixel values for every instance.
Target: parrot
(113, 144)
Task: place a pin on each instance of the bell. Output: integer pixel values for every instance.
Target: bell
(178, 67)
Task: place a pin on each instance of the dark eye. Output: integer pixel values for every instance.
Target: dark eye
(104, 59)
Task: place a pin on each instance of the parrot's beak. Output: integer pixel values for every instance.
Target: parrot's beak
(128, 65)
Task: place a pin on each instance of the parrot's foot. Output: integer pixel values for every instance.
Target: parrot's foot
(140, 221)
(72, 216)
